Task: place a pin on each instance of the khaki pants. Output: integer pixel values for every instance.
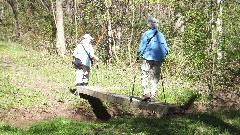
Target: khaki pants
(150, 74)
(82, 74)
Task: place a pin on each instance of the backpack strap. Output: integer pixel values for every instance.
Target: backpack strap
(155, 33)
(91, 60)
(86, 52)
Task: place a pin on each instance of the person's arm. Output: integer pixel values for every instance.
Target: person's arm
(164, 43)
(92, 54)
(75, 52)
(142, 46)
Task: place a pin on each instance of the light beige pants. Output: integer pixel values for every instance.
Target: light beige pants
(150, 74)
(82, 74)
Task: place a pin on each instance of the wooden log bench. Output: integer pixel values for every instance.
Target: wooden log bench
(131, 101)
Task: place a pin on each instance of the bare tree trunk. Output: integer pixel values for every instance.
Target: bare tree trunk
(14, 6)
(68, 6)
(75, 20)
(219, 29)
(214, 49)
(131, 37)
(61, 45)
(216, 21)
(53, 12)
(178, 28)
(108, 5)
(2, 11)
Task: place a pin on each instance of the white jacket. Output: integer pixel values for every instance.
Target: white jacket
(84, 51)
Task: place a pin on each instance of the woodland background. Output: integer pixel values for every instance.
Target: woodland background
(203, 36)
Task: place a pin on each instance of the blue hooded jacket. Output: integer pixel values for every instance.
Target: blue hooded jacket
(156, 49)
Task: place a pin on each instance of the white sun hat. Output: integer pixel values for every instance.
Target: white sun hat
(87, 36)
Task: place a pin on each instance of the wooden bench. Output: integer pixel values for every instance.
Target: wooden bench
(131, 101)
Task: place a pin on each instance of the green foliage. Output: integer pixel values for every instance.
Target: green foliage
(7, 26)
(230, 43)
(196, 42)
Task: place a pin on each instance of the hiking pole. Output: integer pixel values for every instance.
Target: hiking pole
(132, 94)
(134, 80)
(163, 89)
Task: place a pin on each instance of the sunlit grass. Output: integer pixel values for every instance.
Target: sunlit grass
(117, 78)
(14, 97)
(35, 68)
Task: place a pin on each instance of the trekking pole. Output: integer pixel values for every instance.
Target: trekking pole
(134, 80)
(132, 93)
(163, 89)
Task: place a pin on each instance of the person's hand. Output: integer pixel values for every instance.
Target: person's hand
(96, 58)
(137, 59)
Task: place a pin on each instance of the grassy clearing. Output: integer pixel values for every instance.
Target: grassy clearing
(57, 72)
(117, 78)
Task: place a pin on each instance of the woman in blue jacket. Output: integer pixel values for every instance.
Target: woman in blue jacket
(153, 49)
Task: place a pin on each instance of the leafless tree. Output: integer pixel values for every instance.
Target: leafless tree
(61, 45)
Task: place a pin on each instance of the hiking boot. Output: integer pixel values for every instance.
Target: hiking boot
(82, 84)
(79, 84)
(146, 97)
(85, 84)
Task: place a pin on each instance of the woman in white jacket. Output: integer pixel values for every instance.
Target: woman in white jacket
(84, 53)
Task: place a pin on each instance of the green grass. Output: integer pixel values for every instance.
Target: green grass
(57, 126)
(192, 124)
(13, 97)
(58, 72)
(202, 124)
(33, 68)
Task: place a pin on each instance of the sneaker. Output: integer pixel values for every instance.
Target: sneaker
(146, 97)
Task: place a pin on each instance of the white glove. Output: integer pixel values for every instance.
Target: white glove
(96, 58)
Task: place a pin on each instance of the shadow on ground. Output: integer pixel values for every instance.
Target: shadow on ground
(99, 109)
